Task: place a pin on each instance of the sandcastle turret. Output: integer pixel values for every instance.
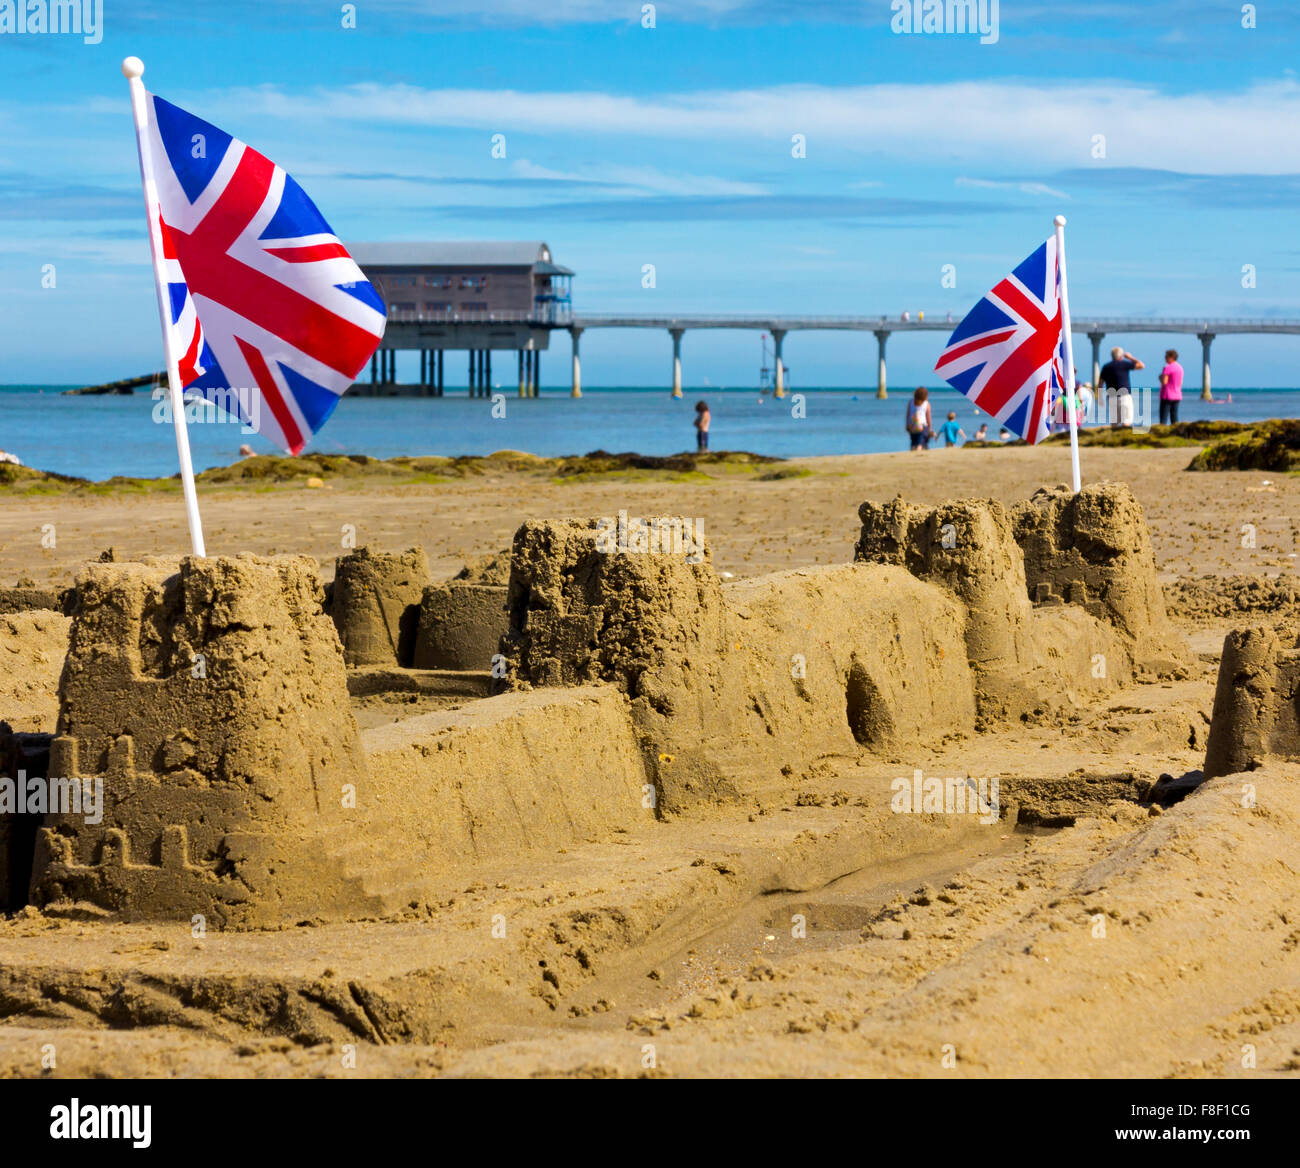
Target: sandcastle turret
(628, 601)
(1093, 550)
(376, 605)
(1256, 703)
(211, 704)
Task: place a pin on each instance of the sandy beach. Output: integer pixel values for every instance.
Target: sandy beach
(1110, 924)
(754, 526)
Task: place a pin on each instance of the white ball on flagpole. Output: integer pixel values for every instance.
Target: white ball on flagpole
(1059, 220)
(132, 68)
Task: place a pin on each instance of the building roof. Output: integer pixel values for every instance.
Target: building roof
(459, 253)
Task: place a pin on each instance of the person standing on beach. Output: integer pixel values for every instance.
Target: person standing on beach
(951, 430)
(1171, 388)
(918, 419)
(1115, 377)
(701, 425)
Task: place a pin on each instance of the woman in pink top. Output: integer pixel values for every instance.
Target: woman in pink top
(1171, 388)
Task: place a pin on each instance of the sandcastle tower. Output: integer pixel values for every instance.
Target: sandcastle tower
(212, 704)
(1048, 627)
(1256, 703)
(1093, 550)
(636, 603)
(968, 547)
(376, 605)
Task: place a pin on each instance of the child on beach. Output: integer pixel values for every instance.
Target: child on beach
(918, 419)
(951, 430)
(982, 434)
(701, 425)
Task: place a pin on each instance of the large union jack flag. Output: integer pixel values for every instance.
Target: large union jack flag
(1007, 356)
(270, 316)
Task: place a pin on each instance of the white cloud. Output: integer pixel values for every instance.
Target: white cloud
(641, 180)
(1027, 188)
(1253, 130)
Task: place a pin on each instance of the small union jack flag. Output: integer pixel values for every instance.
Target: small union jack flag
(1007, 356)
(270, 316)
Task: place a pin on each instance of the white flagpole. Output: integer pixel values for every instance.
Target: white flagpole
(1071, 393)
(133, 70)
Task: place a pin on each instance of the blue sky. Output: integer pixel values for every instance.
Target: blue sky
(671, 146)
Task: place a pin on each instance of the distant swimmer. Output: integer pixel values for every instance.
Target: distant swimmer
(702, 419)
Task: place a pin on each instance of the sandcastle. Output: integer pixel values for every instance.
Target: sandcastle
(211, 697)
(1256, 703)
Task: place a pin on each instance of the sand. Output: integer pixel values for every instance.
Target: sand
(775, 917)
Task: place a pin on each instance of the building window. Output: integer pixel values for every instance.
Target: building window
(401, 307)
(476, 282)
(436, 306)
(400, 281)
(437, 281)
(474, 306)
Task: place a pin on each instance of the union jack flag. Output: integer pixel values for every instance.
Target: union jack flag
(1008, 354)
(270, 316)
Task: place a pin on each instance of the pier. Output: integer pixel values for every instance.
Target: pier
(484, 297)
(882, 327)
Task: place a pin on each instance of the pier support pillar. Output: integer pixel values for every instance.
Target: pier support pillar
(537, 372)
(374, 367)
(1096, 339)
(676, 334)
(778, 335)
(424, 370)
(441, 372)
(576, 391)
(882, 335)
(487, 372)
(523, 383)
(1206, 340)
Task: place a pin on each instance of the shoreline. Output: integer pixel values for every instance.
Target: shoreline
(1272, 444)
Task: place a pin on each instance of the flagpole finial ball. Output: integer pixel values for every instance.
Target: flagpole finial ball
(1059, 220)
(132, 68)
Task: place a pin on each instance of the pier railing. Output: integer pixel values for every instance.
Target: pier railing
(557, 316)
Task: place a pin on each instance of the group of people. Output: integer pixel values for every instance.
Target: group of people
(921, 431)
(1115, 379)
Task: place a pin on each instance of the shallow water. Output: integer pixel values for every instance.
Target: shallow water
(97, 437)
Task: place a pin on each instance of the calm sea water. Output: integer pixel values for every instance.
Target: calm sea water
(96, 437)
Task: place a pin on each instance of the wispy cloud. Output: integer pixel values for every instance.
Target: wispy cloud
(970, 122)
(660, 209)
(1247, 192)
(1026, 188)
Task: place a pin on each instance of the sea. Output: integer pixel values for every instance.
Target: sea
(98, 437)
